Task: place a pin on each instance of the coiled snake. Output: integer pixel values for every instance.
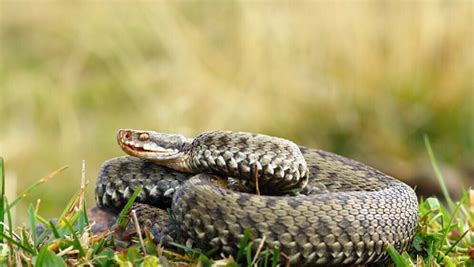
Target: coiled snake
(343, 212)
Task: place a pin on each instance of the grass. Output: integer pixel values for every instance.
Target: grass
(70, 241)
(445, 234)
(444, 238)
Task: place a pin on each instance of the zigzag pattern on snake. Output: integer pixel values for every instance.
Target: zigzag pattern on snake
(343, 212)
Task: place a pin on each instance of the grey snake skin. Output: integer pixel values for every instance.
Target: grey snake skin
(341, 213)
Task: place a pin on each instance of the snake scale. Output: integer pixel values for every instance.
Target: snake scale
(317, 207)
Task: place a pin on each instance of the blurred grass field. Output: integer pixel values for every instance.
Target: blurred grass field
(363, 79)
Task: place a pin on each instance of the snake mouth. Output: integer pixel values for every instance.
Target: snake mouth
(147, 148)
(154, 153)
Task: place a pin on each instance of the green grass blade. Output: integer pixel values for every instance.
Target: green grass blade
(447, 260)
(82, 221)
(41, 220)
(121, 218)
(2, 197)
(276, 257)
(205, 261)
(105, 258)
(48, 258)
(18, 244)
(84, 213)
(429, 257)
(97, 247)
(32, 220)
(243, 244)
(51, 259)
(54, 230)
(438, 173)
(77, 242)
(40, 258)
(9, 218)
(451, 219)
(211, 251)
(248, 254)
(397, 258)
(26, 241)
(186, 249)
(457, 241)
(265, 259)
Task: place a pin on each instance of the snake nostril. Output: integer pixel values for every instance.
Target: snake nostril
(127, 135)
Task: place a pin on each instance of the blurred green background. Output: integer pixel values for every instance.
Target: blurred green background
(363, 79)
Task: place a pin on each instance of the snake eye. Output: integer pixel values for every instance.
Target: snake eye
(143, 137)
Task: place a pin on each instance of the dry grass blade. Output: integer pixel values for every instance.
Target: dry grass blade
(139, 231)
(255, 173)
(33, 186)
(83, 185)
(259, 249)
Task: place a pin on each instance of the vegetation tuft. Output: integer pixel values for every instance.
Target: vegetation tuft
(444, 238)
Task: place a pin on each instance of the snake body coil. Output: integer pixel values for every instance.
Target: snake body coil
(345, 212)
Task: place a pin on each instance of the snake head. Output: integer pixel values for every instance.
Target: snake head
(153, 146)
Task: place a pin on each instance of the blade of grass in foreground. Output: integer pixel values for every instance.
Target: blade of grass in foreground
(121, 218)
(48, 258)
(9, 217)
(32, 219)
(33, 186)
(76, 240)
(438, 173)
(400, 260)
(2, 198)
(17, 243)
(243, 244)
(276, 257)
(445, 231)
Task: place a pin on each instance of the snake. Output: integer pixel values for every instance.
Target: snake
(316, 207)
